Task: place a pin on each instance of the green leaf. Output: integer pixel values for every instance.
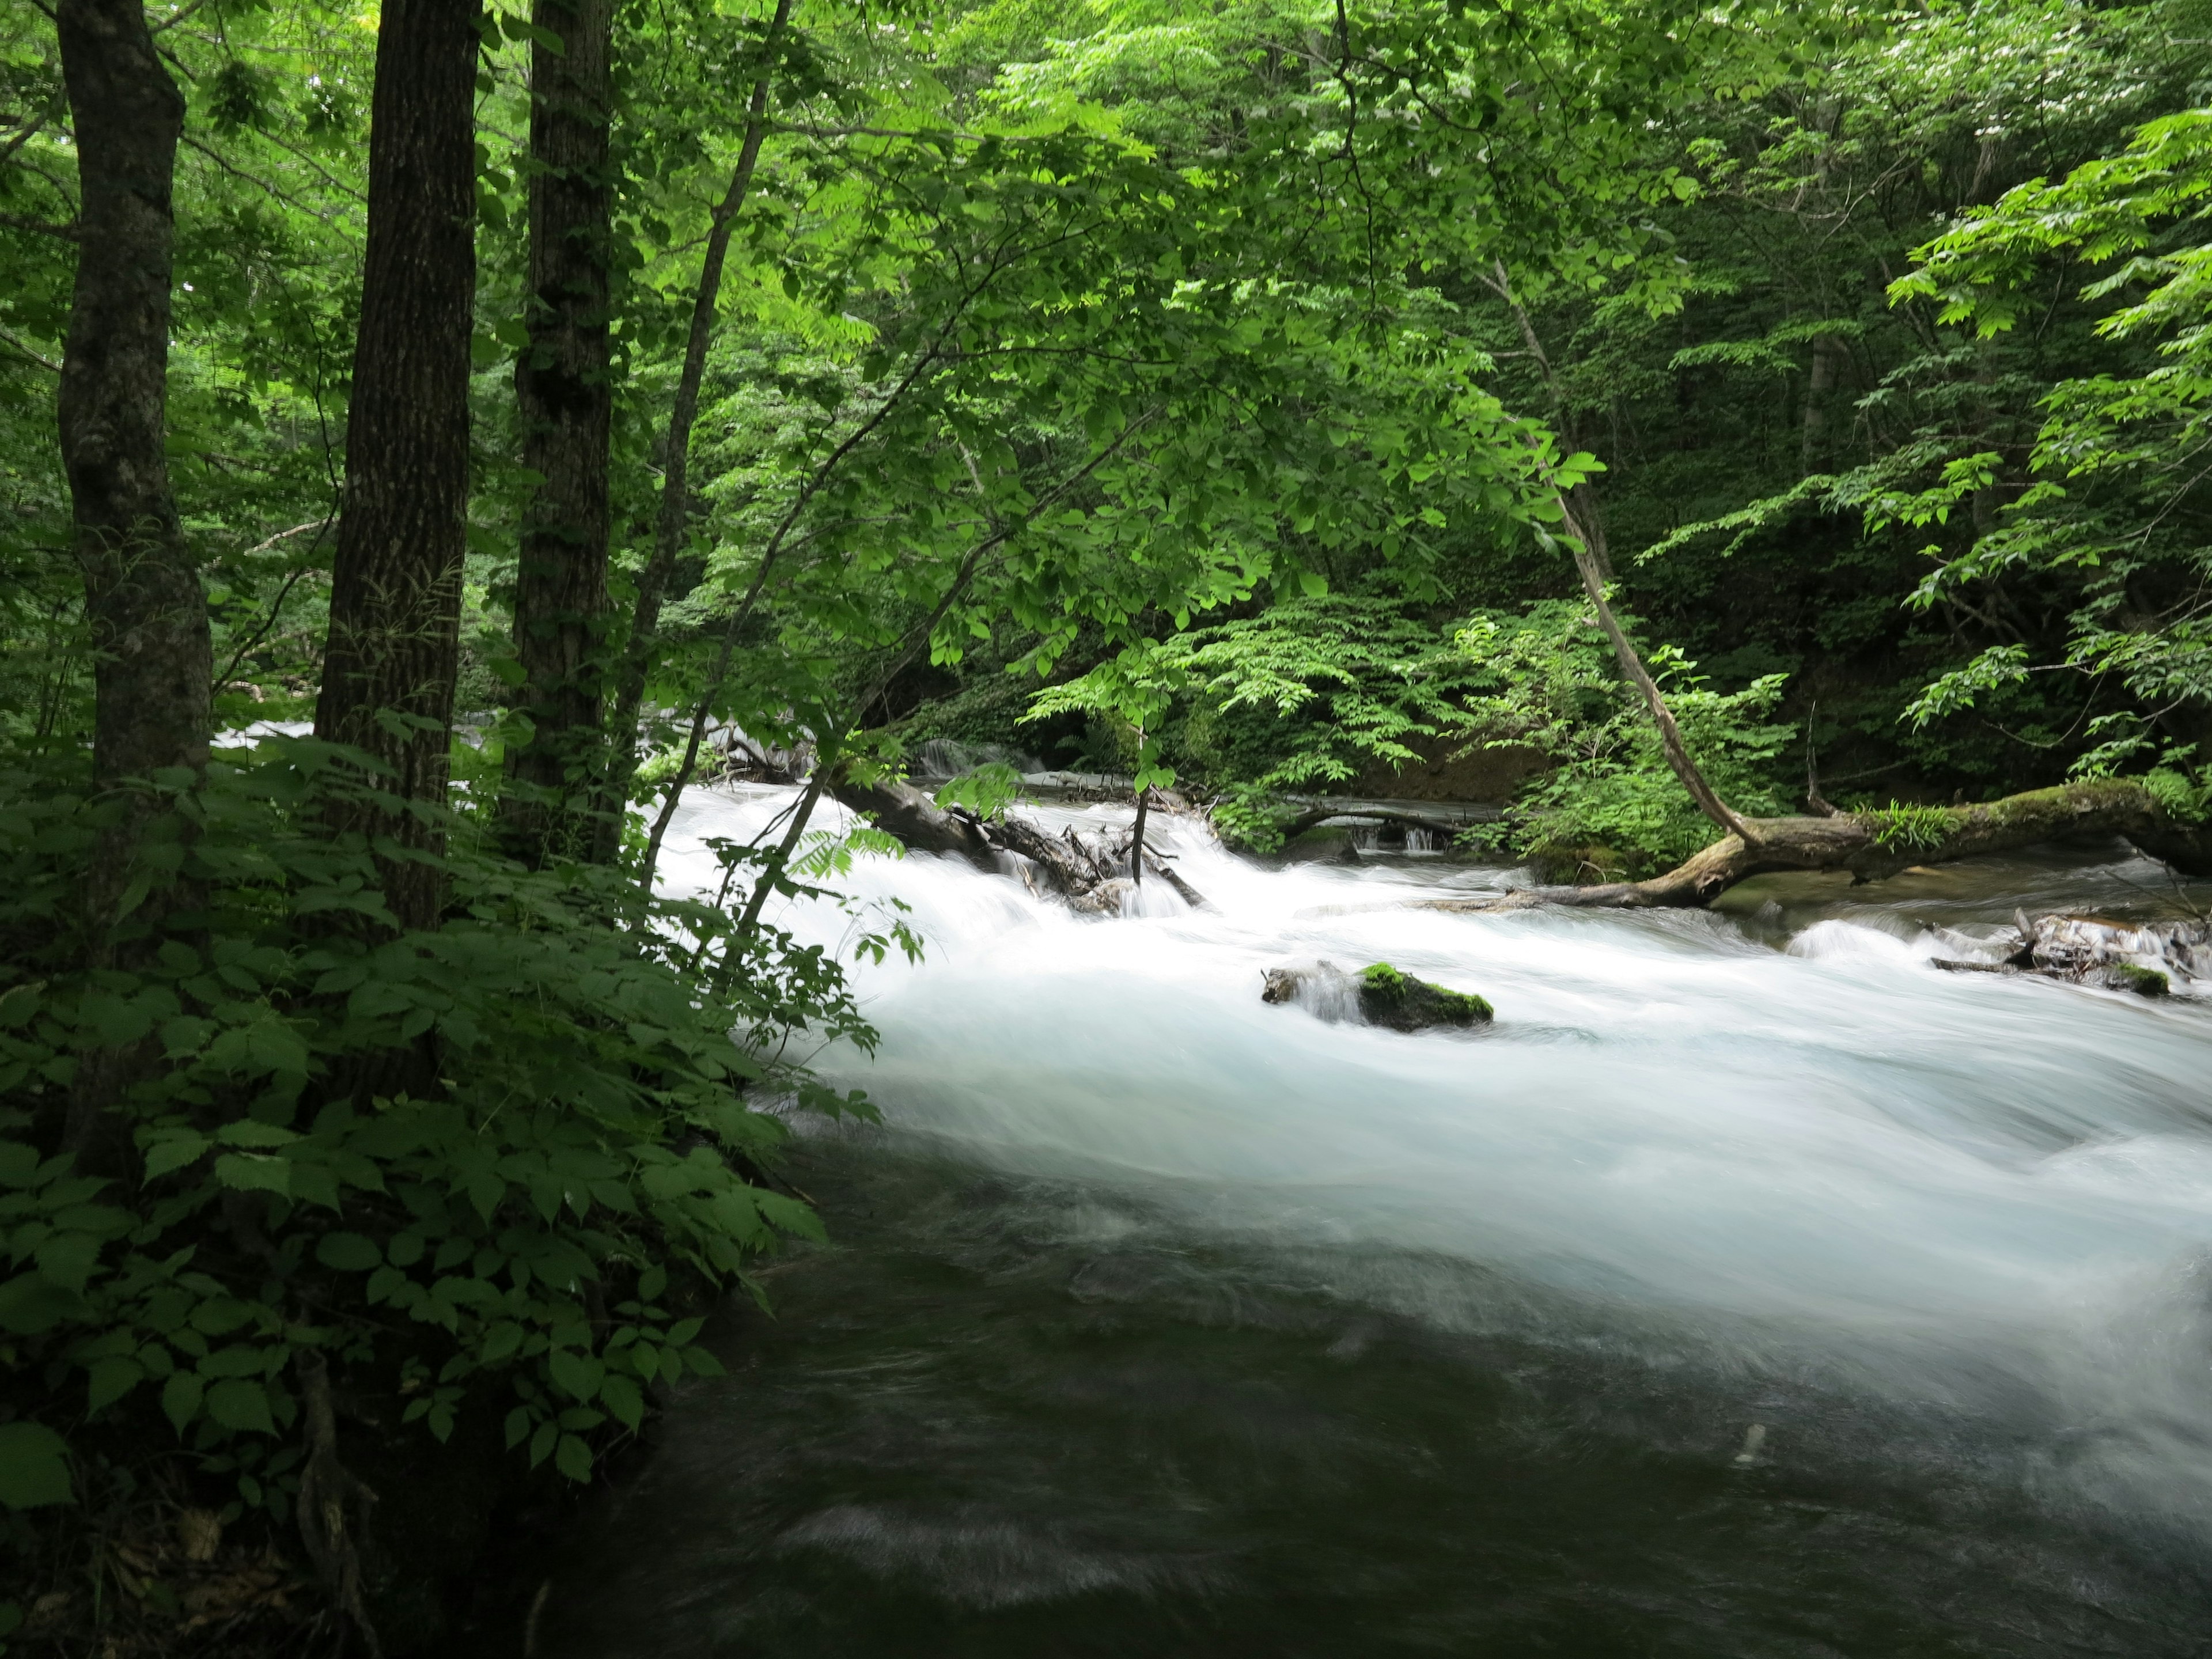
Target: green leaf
(249, 1172)
(542, 1442)
(573, 1459)
(108, 1380)
(485, 1192)
(31, 1303)
(518, 1426)
(236, 1403)
(579, 1374)
(622, 1396)
(252, 1132)
(34, 1467)
(180, 1398)
(175, 1152)
(349, 1253)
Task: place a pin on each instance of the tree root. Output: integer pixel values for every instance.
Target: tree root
(333, 1505)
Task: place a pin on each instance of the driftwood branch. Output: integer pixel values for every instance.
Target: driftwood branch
(1075, 869)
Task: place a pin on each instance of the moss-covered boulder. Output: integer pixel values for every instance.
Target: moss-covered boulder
(1402, 1003)
(2143, 982)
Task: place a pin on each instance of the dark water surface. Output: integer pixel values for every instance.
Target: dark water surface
(1007, 1418)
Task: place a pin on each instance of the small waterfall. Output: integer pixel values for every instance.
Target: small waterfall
(1394, 838)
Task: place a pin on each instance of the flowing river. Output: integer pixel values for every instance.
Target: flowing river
(1751, 1287)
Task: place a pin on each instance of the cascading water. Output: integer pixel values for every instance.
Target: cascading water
(1719, 1298)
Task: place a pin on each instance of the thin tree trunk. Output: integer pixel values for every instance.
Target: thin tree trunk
(675, 490)
(565, 401)
(1590, 564)
(1818, 384)
(1137, 837)
(147, 615)
(396, 588)
(1593, 563)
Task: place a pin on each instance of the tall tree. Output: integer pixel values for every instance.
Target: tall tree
(147, 615)
(148, 619)
(562, 387)
(396, 587)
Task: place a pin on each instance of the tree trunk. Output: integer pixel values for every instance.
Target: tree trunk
(1591, 563)
(1812, 444)
(147, 617)
(1871, 849)
(396, 587)
(565, 401)
(146, 613)
(675, 487)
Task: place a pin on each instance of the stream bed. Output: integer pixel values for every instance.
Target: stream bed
(1751, 1287)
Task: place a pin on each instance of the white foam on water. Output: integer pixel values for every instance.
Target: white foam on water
(1934, 1180)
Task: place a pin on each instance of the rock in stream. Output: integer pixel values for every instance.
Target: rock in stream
(1379, 995)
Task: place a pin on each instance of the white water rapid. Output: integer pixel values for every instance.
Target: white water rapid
(1985, 1198)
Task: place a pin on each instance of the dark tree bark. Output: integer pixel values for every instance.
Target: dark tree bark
(566, 403)
(148, 619)
(147, 615)
(676, 460)
(396, 589)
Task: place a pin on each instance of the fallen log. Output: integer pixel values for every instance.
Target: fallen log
(1067, 867)
(1314, 817)
(901, 810)
(1873, 845)
(1070, 865)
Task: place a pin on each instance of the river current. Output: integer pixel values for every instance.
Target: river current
(1751, 1287)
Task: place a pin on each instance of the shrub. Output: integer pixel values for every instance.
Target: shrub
(499, 1168)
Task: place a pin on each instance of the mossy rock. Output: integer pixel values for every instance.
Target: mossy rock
(1399, 1002)
(2143, 982)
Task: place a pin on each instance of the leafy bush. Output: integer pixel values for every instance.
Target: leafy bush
(499, 1169)
(1612, 806)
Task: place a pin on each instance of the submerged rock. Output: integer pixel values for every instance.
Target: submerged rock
(1402, 1003)
(2147, 958)
(1108, 898)
(1379, 995)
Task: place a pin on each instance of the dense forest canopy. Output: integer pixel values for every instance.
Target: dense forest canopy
(1740, 417)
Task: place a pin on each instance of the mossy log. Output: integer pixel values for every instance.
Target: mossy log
(1873, 845)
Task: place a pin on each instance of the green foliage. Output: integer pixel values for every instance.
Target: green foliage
(2111, 509)
(1614, 803)
(1909, 826)
(494, 1168)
